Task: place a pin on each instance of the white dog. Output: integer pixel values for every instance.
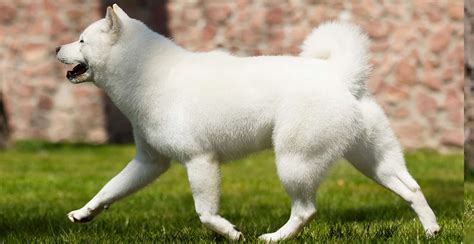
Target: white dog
(205, 108)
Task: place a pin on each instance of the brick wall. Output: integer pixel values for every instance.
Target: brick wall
(417, 46)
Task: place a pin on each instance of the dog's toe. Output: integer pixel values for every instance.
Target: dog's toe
(268, 238)
(433, 231)
(75, 217)
(237, 236)
(71, 218)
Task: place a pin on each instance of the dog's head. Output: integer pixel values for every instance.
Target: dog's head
(93, 47)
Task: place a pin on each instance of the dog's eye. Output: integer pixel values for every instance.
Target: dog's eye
(81, 41)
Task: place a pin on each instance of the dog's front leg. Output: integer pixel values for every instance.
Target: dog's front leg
(139, 172)
(204, 177)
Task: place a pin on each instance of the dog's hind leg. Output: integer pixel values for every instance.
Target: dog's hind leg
(378, 156)
(142, 170)
(300, 178)
(204, 177)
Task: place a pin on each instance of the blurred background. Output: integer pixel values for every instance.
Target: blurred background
(469, 92)
(417, 53)
(469, 123)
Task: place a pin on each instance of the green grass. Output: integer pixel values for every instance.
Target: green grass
(469, 210)
(40, 183)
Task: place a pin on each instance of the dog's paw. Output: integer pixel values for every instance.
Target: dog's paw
(236, 236)
(270, 237)
(82, 215)
(432, 231)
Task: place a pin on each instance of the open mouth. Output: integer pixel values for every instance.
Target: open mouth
(77, 71)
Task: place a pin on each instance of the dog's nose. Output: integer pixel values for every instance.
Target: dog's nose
(57, 49)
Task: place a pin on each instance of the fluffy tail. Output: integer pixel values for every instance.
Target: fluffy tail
(346, 46)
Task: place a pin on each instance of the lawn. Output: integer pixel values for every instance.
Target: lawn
(40, 183)
(469, 209)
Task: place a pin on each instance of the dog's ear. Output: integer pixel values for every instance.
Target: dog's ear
(120, 12)
(114, 23)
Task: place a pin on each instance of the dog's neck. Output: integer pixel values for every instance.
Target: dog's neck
(130, 86)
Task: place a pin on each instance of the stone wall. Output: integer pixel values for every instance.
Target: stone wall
(417, 46)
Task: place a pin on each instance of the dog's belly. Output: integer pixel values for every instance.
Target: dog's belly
(239, 139)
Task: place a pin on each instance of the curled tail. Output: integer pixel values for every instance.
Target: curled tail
(345, 46)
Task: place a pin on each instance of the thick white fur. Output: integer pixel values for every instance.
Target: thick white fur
(205, 108)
